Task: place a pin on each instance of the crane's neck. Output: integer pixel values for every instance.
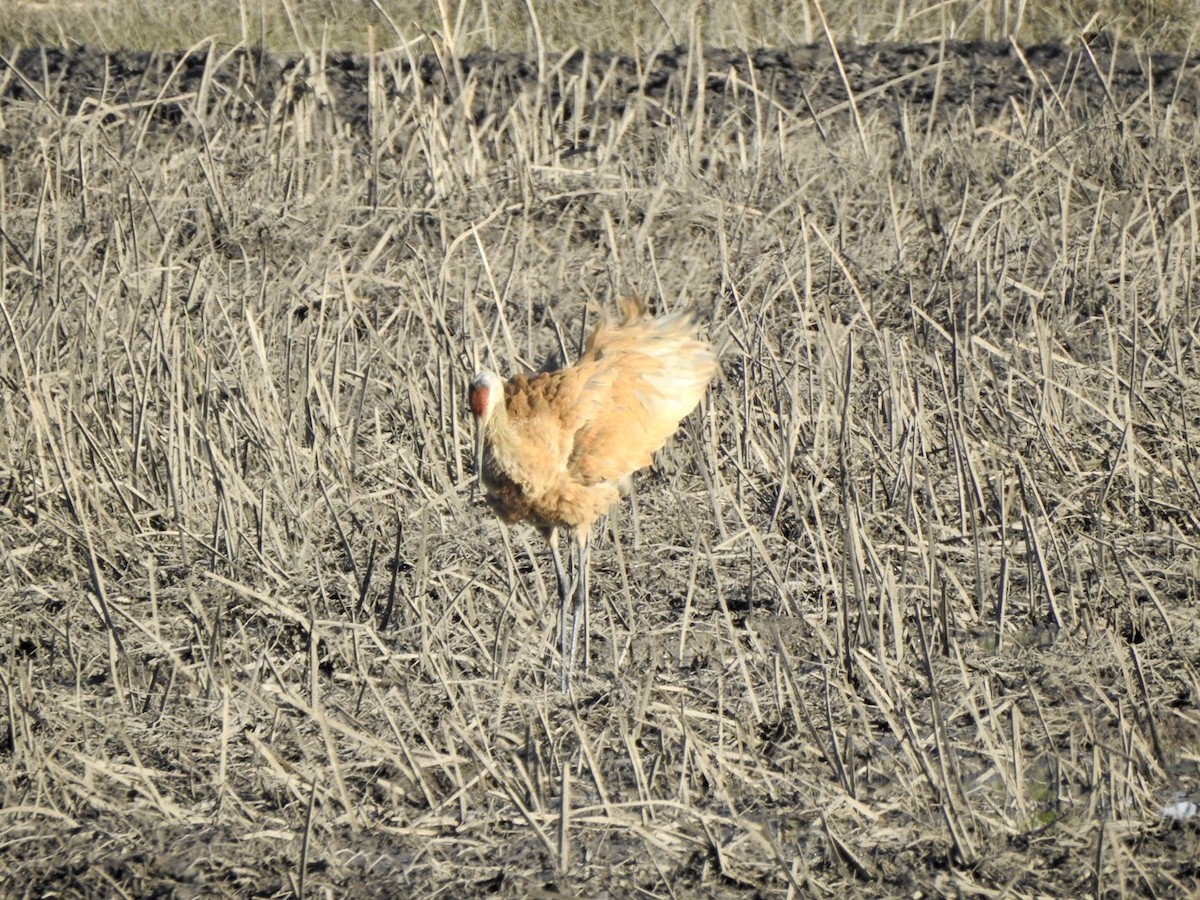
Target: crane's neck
(495, 434)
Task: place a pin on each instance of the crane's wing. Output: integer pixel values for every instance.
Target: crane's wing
(631, 388)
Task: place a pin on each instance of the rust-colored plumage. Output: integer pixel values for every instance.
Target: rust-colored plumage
(557, 449)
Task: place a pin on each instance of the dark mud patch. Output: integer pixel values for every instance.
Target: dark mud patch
(760, 84)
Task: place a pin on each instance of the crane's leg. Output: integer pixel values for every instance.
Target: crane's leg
(583, 550)
(564, 591)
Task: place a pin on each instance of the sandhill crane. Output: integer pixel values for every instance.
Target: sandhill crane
(557, 450)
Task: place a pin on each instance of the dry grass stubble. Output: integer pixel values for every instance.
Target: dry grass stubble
(908, 608)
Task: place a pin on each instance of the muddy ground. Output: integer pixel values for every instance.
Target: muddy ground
(944, 78)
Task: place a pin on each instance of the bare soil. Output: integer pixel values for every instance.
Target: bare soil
(980, 76)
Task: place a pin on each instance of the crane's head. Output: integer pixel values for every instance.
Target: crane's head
(487, 390)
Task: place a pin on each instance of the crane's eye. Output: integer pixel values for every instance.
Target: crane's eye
(479, 400)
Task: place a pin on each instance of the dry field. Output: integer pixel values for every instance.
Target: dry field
(907, 608)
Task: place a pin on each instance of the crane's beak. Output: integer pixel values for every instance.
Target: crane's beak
(478, 459)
